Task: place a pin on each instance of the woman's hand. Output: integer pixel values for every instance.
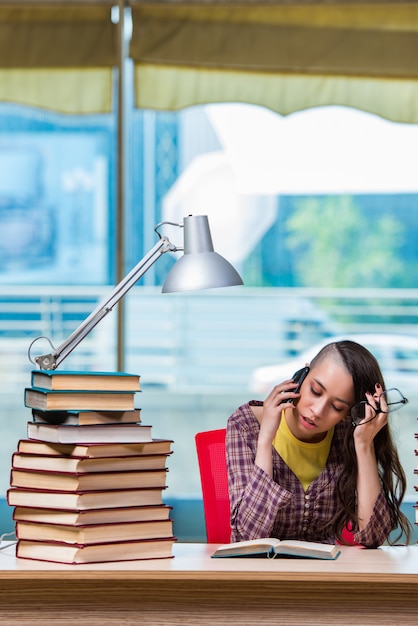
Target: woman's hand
(279, 398)
(374, 419)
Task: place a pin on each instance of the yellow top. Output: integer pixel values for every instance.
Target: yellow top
(306, 460)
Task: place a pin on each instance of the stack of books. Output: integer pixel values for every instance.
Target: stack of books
(416, 473)
(87, 484)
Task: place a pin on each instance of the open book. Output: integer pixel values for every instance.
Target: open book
(270, 548)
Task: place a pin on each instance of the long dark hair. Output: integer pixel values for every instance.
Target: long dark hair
(365, 371)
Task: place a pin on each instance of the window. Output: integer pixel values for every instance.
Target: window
(318, 211)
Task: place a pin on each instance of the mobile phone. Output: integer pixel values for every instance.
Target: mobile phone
(299, 377)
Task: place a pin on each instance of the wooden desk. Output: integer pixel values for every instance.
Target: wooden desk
(361, 587)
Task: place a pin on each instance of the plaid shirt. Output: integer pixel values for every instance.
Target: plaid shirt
(262, 506)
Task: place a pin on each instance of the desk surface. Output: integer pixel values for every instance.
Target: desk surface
(367, 587)
(193, 561)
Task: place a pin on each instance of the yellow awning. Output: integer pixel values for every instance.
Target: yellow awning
(285, 56)
(57, 57)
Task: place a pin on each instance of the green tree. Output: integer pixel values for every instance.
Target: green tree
(335, 244)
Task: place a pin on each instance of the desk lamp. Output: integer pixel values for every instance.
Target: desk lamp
(199, 268)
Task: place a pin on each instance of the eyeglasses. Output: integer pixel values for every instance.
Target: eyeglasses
(395, 400)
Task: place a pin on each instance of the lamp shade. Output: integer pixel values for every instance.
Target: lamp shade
(200, 267)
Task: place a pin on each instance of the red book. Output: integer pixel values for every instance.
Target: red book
(96, 553)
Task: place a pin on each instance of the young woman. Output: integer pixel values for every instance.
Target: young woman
(307, 465)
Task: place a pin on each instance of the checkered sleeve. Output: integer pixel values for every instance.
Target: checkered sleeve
(255, 497)
(379, 526)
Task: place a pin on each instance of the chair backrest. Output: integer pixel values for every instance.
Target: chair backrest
(210, 447)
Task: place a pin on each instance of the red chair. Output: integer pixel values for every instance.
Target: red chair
(210, 447)
(348, 536)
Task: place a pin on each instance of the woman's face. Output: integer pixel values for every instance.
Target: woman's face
(326, 396)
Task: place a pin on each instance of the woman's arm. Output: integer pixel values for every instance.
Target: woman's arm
(372, 509)
(254, 496)
(368, 482)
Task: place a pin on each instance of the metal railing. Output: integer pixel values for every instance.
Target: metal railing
(188, 339)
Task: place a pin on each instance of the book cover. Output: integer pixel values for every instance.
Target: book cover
(272, 548)
(76, 501)
(96, 433)
(144, 513)
(83, 381)
(96, 553)
(81, 465)
(94, 533)
(86, 418)
(64, 400)
(94, 450)
(93, 481)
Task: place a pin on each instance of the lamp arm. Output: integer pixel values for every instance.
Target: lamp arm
(52, 360)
